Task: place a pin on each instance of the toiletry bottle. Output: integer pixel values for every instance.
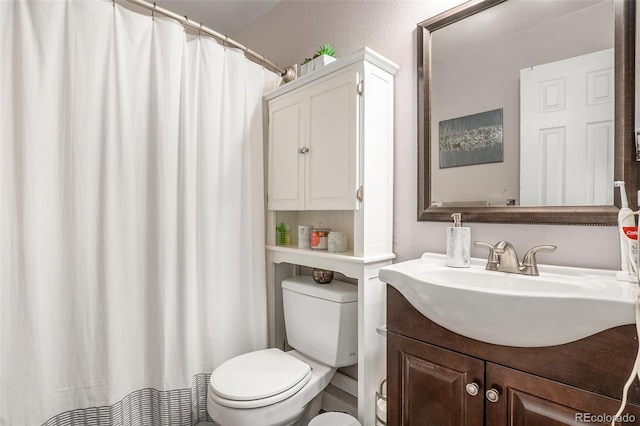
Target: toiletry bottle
(287, 236)
(458, 244)
(281, 231)
(628, 238)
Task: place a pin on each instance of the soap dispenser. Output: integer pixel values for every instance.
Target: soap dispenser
(458, 244)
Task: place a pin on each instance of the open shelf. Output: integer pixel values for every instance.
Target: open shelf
(346, 256)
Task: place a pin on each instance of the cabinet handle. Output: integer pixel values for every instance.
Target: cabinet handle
(472, 389)
(493, 395)
(303, 150)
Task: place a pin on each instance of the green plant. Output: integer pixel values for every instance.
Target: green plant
(325, 49)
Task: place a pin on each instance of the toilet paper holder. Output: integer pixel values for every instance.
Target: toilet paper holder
(381, 404)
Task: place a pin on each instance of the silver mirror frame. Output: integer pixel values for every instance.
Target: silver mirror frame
(625, 165)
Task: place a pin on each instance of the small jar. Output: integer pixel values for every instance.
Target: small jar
(337, 242)
(304, 236)
(320, 238)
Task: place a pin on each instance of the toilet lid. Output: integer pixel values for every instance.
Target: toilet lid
(259, 375)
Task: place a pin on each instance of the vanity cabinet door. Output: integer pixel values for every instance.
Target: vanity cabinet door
(427, 385)
(527, 400)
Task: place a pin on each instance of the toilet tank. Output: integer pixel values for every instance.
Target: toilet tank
(321, 320)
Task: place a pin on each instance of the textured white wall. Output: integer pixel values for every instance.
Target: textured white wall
(293, 30)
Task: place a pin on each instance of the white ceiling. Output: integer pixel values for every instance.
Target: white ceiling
(227, 17)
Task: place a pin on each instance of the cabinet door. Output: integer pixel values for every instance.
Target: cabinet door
(332, 163)
(427, 385)
(527, 400)
(286, 164)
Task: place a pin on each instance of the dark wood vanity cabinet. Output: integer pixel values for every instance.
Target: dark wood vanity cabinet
(437, 377)
(528, 400)
(432, 384)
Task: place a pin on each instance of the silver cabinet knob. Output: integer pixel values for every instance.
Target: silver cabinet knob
(303, 150)
(472, 389)
(493, 395)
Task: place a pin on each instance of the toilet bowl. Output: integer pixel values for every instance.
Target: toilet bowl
(289, 406)
(271, 387)
(334, 419)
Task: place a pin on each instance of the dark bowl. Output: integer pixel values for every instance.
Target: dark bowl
(322, 276)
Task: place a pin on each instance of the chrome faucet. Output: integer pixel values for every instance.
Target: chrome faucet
(503, 258)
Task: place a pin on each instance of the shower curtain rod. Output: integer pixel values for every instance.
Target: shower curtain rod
(288, 74)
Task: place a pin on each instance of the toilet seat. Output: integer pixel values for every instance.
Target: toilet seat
(258, 379)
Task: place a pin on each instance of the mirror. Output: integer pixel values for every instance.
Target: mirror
(475, 94)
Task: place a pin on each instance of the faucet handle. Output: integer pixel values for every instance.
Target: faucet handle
(483, 244)
(492, 260)
(530, 263)
(530, 257)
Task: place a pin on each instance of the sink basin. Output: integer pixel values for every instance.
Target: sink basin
(561, 305)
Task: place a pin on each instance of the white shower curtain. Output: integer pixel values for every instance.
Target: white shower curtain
(131, 203)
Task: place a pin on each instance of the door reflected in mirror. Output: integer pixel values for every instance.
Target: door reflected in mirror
(566, 132)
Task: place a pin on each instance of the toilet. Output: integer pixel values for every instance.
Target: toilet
(271, 387)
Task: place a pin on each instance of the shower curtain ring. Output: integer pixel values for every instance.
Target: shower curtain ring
(153, 12)
(200, 30)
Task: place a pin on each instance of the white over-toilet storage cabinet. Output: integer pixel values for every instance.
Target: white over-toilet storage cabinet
(330, 161)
